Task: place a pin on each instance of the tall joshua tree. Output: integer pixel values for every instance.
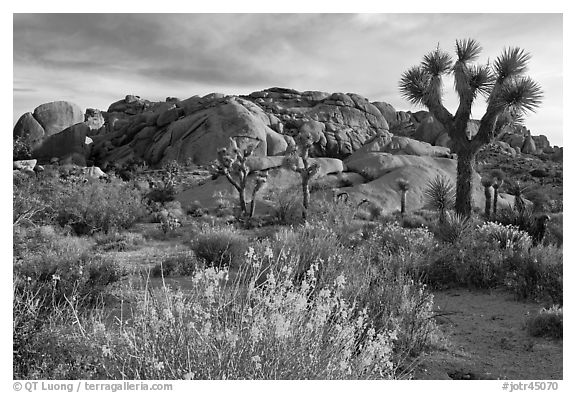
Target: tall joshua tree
(509, 94)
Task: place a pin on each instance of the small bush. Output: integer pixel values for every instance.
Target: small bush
(220, 247)
(95, 206)
(181, 264)
(118, 241)
(288, 208)
(547, 323)
(414, 221)
(536, 274)
(473, 264)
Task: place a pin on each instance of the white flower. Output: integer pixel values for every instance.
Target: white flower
(250, 253)
(340, 280)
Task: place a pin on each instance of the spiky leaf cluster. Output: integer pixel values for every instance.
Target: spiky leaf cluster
(440, 194)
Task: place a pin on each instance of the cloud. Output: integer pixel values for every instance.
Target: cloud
(106, 56)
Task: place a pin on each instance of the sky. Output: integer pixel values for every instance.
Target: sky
(95, 60)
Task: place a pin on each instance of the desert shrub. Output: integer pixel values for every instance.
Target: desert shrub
(180, 264)
(394, 239)
(195, 209)
(287, 210)
(57, 267)
(524, 219)
(88, 206)
(315, 243)
(220, 247)
(32, 199)
(555, 233)
(413, 221)
(540, 200)
(471, 264)
(20, 149)
(547, 323)
(453, 228)
(275, 331)
(338, 213)
(536, 274)
(505, 236)
(117, 241)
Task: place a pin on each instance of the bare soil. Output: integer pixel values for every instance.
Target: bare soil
(484, 337)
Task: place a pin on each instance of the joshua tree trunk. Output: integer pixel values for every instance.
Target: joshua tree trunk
(241, 193)
(466, 158)
(488, 205)
(305, 197)
(495, 209)
(403, 203)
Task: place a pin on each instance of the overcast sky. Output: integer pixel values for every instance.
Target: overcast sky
(96, 59)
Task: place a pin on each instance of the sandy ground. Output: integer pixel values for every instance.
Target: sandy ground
(485, 338)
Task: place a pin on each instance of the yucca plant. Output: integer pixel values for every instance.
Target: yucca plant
(403, 186)
(518, 191)
(487, 183)
(509, 94)
(454, 227)
(440, 196)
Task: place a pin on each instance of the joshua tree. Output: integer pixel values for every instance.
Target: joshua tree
(510, 94)
(439, 196)
(232, 163)
(487, 182)
(403, 185)
(295, 153)
(497, 181)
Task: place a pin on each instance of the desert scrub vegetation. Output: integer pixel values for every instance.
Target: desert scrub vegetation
(220, 246)
(86, 206)
(547, 323)
(298, 304)
(335, 297)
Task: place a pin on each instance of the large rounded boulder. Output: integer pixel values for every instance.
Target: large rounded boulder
(57, 116)
(29, 131)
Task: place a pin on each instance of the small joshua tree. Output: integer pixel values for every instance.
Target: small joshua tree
(440, 195)
(295, 153)
(403, 185)
(487, 182)
(498, 180)
(232, 163)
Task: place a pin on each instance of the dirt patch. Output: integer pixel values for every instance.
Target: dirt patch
(485, 338)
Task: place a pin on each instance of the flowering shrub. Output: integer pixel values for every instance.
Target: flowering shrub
(505, 236)
(395, 239)
(273, 331)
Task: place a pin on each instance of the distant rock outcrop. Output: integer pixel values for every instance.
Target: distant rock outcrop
(529, 147)
(193, 129)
